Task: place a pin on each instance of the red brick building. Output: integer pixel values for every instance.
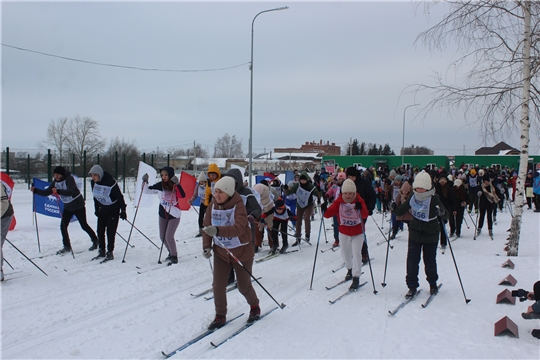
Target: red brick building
(320, 148)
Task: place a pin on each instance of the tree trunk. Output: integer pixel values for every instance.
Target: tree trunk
(515, 227)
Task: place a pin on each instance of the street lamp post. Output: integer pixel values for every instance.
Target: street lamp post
(403, 140)
(251, 95)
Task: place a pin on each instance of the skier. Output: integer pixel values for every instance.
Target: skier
(473, 184)
(304, 190)
(536, 188)
(443, 188)
(488, 200)
(109, 206)
(332, 194)
(460, 194)
(7, 215)
(213, 175)
(64, 187)
(282, 214)
(200, 192)
(267, 215)
(394, 194)
(226, 227)
(169, 191)
(426, 207)
(350, 209)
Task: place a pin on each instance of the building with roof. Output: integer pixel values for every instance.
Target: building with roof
(501, 148)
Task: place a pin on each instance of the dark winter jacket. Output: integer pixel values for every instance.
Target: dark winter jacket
(252, 205)
(460, 194)
(446, 194)
(116, 196)
(308, 186)
(67, 188)
(421, 231)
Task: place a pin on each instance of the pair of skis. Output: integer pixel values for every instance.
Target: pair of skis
(208, 332)
(274, 255)
(406, 301)
(231, 287)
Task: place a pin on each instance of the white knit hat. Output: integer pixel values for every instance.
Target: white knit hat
(422, 180)
(226, 184)
(348, 186)
(202, 176)
(458, 182)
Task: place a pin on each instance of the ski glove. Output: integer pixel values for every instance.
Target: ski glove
(207, 253)
(358, 206)
(145, 178)
(479, 193)
(211, 230)
(440, 212)
(174, 179)
(123, 215)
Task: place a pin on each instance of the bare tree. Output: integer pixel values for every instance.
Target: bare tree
(497, 40)
(229, 147)
(119, 148)
(57, 135)
(83, 135)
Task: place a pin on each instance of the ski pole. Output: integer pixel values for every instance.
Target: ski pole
(477, 212)
(7, 262)
(465, 219)
(384, 236)
(140, 232)
(316, 252)
(132, 223)
(388, 246)
(216, 239)
(453, 257)
(27, 258)
(35, 217)
(369, 259)
(211, 267)
(194, 208)
(121, 237)
(324, 228)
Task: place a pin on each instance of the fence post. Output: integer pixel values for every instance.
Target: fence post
(49, 165)
(7, 160)
(124, 173)
(28, 169)
(144, 157)
(98, 159)
(84, 174)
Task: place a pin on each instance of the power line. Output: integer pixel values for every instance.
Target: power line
(120, 66)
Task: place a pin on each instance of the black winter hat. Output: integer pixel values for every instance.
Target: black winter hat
(59, 170)
(486, 177)
(352, 171)
(279, 203)
(169, 170)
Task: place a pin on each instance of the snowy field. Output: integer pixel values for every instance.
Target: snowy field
(87, 310)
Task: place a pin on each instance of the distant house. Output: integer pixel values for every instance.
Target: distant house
(501, 148)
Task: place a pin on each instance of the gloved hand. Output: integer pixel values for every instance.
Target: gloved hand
(207, 253)
(123, 215)
(463, 203)
(251, 219)
(294, 217)
(175, 180)
(358, 206)
(145, 178)
(440, 211)
(324, 207)
(211, 230)
(479, 193)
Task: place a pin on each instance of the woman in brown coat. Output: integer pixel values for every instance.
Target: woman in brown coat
(226, 229)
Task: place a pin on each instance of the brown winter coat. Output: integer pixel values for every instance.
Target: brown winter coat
(401, 198)
(240, 229)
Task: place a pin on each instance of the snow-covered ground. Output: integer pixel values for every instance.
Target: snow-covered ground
(87, 310)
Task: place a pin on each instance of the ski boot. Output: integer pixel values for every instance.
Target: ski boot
(336, 243)
(94, 246)
(109, 256)
(218, 322)
(63, 251)
(284, 248)
(410, 293)
(433, 289)
(254, 314)
(349, 275)
(355, 284)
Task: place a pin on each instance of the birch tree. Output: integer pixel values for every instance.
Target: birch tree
(83, 135)
(496, 41)
(57, 135)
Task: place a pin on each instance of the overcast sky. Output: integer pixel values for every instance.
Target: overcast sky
(322, 71)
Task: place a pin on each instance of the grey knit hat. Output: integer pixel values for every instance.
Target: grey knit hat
(98, 170)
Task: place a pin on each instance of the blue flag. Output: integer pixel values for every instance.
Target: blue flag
(47, 205)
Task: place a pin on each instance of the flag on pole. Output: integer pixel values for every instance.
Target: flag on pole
(47, 205)
(146, 200)
(188, 183)
(10, 185)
